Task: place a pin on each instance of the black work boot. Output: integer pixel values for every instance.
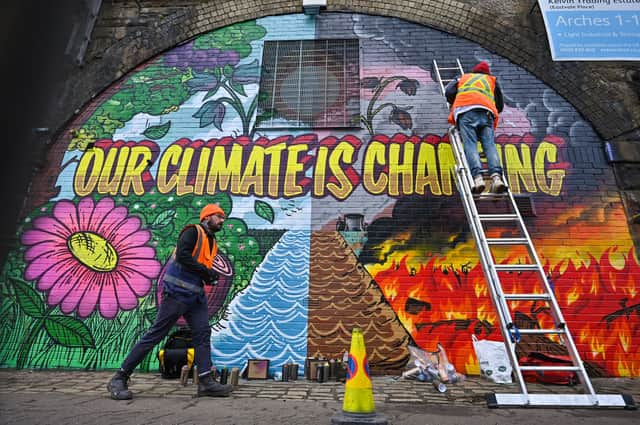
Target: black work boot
(207, 387)
(118, 388)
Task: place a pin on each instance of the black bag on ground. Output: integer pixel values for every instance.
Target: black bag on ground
(177, 352)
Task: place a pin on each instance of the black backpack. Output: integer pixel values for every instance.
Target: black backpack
(177, 352)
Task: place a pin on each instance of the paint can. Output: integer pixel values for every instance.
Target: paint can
(439, 386)
(313, 370)
(214, 372)
(224, 375)
(323, 371)
(332, 370)
(293, 375)
(196, 377)
(235, 374)
(307, 368)
(354, 222)
(184, 375)
(341, 371)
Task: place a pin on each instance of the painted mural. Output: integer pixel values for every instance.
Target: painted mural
(327, 229)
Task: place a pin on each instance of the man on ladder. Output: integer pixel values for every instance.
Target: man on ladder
(476, 101)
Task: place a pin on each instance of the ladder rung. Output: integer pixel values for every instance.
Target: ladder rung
(490, 196)
(497, 217)
(507, 241)
(527, 297)
(449, 69)
(516, 267)
(541, 331)
(556, 368)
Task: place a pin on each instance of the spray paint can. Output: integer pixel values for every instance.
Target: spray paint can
(214, 372)
(293, 372)
(184, 375)
(196, 378)
(313, 370)
(321, 374)
(235, 374)
(332, 369)
(285, 372)
(439, 386)
(224, 375)
(307, 368)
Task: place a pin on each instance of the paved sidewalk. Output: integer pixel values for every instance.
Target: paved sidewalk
(386, 389)
(80, 397)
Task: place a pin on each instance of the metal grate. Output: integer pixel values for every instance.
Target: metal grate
(310, 83)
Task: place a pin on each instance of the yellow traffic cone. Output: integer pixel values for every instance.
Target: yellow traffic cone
(358, 405)
(358, 392)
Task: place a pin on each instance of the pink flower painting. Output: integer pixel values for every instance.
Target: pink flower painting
(90, 255)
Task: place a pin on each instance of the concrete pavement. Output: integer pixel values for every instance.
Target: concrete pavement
(61, 397)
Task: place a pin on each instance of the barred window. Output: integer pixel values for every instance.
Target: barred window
(310, 83)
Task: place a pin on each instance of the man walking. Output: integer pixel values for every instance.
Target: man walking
(476, 101)
(183, 295)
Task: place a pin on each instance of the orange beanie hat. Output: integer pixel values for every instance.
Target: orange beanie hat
(210, 209)
(482, 67)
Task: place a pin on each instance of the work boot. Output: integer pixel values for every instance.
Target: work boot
(118, 388)
(497, 185)
(478, 184)
(207, 387)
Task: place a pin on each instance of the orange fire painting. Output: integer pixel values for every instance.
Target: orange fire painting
(443, 303)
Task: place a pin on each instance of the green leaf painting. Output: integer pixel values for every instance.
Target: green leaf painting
(239, 88)
(157, 131)
(163, 219)
(69, 332)
(28, 299)
(264, 210)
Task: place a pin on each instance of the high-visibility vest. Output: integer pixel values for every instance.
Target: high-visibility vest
(476, 89)
(202, 252)
(178, 280)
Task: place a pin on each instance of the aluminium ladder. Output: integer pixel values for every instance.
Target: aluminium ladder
(501, 300)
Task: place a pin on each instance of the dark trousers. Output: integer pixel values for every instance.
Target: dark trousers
(168, 314)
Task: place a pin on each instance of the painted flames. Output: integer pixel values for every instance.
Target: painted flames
(440, 302)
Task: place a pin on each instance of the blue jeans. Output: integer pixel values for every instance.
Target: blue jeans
(168, 314)
(474, 125)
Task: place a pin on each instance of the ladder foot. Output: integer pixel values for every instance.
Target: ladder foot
(492, 402)
(563, 400)
(630, 404)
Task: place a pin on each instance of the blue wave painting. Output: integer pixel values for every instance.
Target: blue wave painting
(268, 320)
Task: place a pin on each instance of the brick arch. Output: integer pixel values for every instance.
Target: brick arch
(519, 36)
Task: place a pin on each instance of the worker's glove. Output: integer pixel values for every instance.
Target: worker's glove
(213, 277)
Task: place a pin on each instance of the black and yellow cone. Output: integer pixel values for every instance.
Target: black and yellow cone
(358, 406)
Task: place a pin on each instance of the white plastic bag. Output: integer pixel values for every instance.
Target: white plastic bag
(493, 359)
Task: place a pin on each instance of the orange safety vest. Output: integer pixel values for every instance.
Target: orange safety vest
(178, 280)
(476, 89)
(202, 252)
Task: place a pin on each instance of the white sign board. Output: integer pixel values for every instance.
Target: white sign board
(592, 29)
